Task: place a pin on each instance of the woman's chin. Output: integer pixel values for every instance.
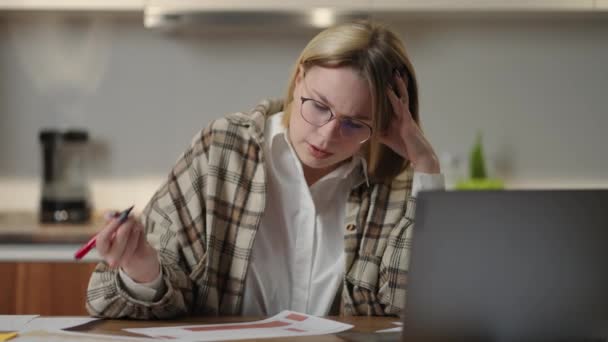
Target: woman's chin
(315, 163)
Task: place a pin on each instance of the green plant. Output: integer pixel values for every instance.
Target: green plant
(476, 161)
(477, 171)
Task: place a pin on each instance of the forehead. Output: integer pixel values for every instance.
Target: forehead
(343, 88)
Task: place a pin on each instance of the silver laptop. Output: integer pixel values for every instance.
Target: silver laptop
(509, 266)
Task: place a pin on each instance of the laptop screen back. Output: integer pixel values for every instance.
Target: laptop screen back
(508, 265)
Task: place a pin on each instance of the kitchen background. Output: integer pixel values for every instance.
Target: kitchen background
(536, 86)
(530, 75)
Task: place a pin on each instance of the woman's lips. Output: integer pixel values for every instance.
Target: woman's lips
(317, 152)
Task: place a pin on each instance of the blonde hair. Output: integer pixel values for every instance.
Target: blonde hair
(376, 53)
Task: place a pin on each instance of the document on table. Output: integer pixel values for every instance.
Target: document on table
(22, 324)
(284, 324)
(397, 329)
(14, 322)
(56, 323)
(68, 336)
(34, 322)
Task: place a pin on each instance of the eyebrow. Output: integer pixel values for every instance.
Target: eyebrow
(326, 101)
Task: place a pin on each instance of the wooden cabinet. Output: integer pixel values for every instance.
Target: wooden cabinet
(45, 288)
(73, 5)
(601, 5)
(7, 288)
(484, 5)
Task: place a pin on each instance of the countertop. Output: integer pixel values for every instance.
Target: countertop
(23, 238)
(44, 252)
(23, 227)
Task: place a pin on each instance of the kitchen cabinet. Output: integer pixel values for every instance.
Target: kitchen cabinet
(483, 5)
(601, 5)
(169, 6)
(73, 5)
(38, 274)
(7, 288)
(45, 288)
(172, 6)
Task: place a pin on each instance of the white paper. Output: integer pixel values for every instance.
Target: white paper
(284, 324)
(69, 336)
(397, 329)
(14, 322)
(56, 323)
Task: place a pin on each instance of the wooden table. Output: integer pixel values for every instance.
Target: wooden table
(361, 325)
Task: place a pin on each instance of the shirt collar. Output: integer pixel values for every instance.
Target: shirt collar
(355, 168)
(274, 129)
(362, 174)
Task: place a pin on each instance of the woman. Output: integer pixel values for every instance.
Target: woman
(303, 204)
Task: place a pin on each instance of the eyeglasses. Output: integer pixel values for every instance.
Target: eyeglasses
(319, 114)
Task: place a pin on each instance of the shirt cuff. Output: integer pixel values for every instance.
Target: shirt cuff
(142, 291)
(427, 181)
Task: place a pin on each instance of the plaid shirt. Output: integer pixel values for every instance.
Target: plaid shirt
(203, 221)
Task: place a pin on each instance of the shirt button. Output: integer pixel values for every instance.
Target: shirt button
(350, 227)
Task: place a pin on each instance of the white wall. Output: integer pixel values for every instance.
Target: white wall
(536, 88)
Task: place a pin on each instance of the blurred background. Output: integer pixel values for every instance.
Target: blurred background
(142, 77)
(99, 98)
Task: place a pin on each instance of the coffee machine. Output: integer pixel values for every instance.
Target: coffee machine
(65, 191)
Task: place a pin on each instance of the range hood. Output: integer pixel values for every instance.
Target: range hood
(281, 15)
(252, 15)
(284, 15)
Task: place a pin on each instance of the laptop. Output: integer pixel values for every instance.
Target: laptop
(509, 266)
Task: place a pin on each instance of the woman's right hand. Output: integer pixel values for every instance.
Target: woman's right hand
(124, 245)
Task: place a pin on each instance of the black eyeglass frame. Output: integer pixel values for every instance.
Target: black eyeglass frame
(331, 117)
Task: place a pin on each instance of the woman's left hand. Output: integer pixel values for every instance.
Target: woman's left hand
(404, 136)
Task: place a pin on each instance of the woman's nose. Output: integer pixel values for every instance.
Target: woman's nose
(331, 129)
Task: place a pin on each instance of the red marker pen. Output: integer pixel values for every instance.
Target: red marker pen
(89, 245)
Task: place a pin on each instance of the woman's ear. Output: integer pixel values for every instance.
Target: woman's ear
(299, 74)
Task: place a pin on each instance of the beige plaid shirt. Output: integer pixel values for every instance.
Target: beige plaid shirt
(204, 218)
